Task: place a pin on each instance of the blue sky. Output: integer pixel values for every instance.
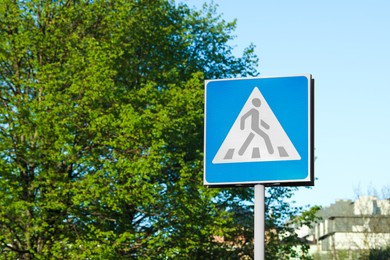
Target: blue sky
(345, 45)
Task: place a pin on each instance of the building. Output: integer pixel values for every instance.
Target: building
(348, 229)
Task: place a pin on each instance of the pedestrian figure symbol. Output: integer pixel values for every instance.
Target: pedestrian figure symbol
(256, 122)
(256, 135)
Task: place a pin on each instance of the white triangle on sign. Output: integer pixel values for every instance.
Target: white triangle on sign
(256, 136)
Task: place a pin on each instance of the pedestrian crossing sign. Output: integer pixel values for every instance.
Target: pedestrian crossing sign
(259, 131)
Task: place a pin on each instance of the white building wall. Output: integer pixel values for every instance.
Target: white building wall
(358, 241)
(384, 207)
(326, 226)
(365, 205)
(321, 229)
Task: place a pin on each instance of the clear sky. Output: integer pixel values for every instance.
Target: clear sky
(345, 45)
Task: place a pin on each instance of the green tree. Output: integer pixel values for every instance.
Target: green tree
(101, 131)
(379, 254)
(101, 128)
(282, 219)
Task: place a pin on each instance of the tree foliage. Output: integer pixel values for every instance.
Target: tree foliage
(101, 127)
(101, 131)
(282, 220)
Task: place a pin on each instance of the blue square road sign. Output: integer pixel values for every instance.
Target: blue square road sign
(259, 131)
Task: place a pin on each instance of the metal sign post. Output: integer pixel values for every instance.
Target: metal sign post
(259, 222)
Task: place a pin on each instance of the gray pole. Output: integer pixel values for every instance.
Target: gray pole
(259, 222)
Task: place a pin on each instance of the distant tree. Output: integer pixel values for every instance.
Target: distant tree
(101, 128)
(282, 221)
(380, 254)
(101, 132)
